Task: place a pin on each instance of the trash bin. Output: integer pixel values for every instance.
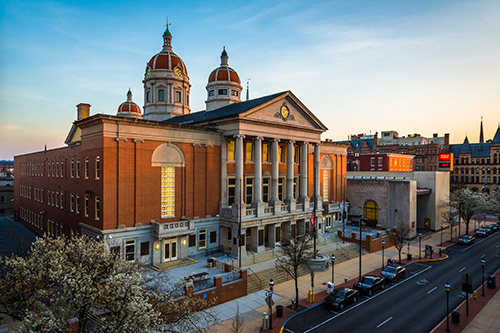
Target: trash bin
(279, 311)
(491, 282)
(455, 317)
(408, 256)
(210, 262)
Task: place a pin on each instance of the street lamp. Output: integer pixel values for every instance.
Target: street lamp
(447, 288)
(483, 262)
(441, 235)
(383, 246)
(360, 247)
(419, 245)
(333, 263)
(271, 285)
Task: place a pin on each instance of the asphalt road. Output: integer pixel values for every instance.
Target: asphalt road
(14, 237)
(415, 304)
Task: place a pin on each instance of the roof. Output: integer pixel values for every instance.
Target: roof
(224, 112)
(496, 138)
(476, 149)
(357, 143)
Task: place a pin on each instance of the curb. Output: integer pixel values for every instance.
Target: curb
(298, 313)
(431, 260)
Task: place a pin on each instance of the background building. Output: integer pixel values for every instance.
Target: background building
(165, 184)
(477, 165)
(386, 162)
(425, 150)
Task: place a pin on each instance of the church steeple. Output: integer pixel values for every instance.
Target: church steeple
(167, 40)
(481, 135)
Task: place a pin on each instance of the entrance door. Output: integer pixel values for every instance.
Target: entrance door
(170, 246)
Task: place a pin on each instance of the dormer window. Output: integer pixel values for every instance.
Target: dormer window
(222, 92)
(161, 95)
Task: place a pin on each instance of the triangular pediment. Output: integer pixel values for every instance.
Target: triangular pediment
(284, 110)
(74, 135)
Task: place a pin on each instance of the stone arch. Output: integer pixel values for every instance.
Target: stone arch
(326, 162)
(168, 154)
(370, 212)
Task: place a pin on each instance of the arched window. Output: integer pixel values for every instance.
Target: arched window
(370, 212)
(325, 166)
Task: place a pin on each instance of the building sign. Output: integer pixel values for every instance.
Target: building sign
(446, 162)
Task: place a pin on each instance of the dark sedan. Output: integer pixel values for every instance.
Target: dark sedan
(341, 297)
(394, 273)
(494, 227)
(368, 284)
(481, 233)
(466, 240)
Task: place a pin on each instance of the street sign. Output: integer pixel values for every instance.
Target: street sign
(269, 301)
(269, 293)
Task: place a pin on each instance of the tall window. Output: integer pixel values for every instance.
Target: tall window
(98, 167)
(231, 190)
(265, 189)
(77, 206)
(281, 185)
(295, 189)
(202, 238)
(265, 152)
(161, 95)
(325, 185)
(86, 168)
(249, 191)
(249, 151)
(370, 211)
(130, 249)
(62, 168)
(71, 202)
(97, 208)
(72, 168)
(86, 206)
(167, 192)
(77, 168)
(372, 161)
(296, 154)
(231, 150)
(281, 154)
(178, 97)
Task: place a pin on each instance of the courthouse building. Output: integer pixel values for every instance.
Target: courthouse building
(163, 183)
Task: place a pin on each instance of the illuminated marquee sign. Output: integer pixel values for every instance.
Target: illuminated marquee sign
(446, 162)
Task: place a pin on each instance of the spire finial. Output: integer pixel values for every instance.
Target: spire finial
(129, 95)
(223, 57)
(167, 38)
(481, 135)
(248, 89)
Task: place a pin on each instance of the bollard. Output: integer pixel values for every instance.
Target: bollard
(440, 253)
(310, 297)
(264, 321)
(474, 294)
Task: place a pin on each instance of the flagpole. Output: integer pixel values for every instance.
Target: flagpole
(239, 223)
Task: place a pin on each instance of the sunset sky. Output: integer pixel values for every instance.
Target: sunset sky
(360, 66)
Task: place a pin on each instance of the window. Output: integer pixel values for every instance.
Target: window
(161, 95)
(130, 249)
(192, 240)
(325, 185)
(295, 190)
(86, 168)
(167, 192)
(265, 152)
(231, 150)
(278, 234)
(178, 97)
(97, 208)
(202, 238)
(380, 161)
(148, 96)
(222, 92)
(86, 206)
(281, 185)
(211, 92)
(281, 154)
(213, 237)
(370, 211)
(98, 167)
(295, 154)
(62, 168)
(71, 202)
(231, 190)
(77, 206)
(265, 189)
(249, 191)
(57, 199)
(144, 248)
(229, 234)
(77, 168)
(57, 168)
(72, 168)
(372, 161)
(249, 151)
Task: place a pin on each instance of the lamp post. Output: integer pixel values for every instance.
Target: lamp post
(483, 262)
(441, 235)
(360, 253)
(333, 263)
(383, 246)
(419, 245)
(271, 285)
(447, 288)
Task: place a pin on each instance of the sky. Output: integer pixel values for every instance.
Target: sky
(360, 66)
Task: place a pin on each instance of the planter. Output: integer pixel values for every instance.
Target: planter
(320, 264)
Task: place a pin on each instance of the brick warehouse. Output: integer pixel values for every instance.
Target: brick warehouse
(168, 183)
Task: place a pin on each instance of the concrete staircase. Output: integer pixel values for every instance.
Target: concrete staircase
(259, 280)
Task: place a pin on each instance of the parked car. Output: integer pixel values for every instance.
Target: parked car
(488, 229)
(466, 240)
(341, 297)
(495, 227)
(368, 284)
(481, 233)
(394, 273)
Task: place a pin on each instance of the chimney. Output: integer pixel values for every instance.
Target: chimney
(435, 135)
(83, 111)
(446, 139)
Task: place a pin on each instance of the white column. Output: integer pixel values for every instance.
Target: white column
(223, 173)
(258, 171)
(274, 170)
(239, 169)
(316, 172)
(303, 171)
(289, 171)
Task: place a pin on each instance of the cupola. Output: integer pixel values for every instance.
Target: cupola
(129, 108)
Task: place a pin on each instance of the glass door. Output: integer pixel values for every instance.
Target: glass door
(170, 246)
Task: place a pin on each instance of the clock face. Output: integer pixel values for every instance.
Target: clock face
(177, 71)
(148, 71)
(284, 111)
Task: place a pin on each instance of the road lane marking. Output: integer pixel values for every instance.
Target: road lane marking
(376, 295)
(498, 246)
(334, 312)
(384, 322)
(484, 255)
(430, 291)
(463, 269)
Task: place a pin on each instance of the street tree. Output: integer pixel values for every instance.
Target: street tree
(468, 203)
(398, 235)
(80, 279)
(294, 253)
